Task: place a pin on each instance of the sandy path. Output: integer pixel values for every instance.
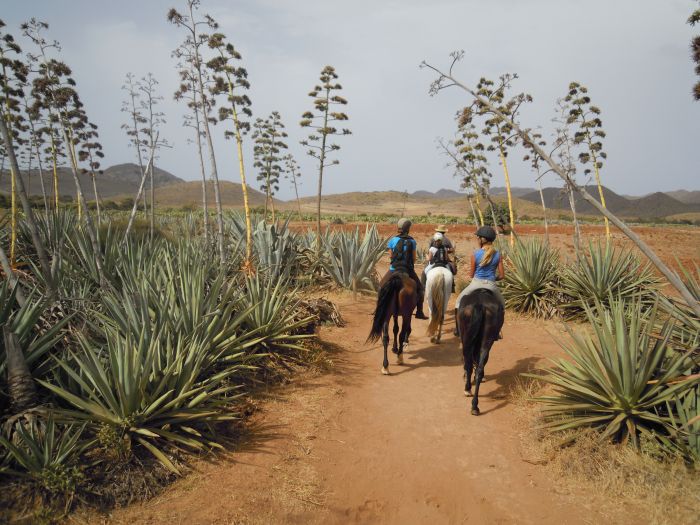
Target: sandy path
(353, 446)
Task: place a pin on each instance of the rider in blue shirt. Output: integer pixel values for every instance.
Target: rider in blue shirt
(402, 250)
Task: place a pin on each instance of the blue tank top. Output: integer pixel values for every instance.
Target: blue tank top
(487, 272)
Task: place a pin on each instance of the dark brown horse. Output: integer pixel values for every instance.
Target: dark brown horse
(397, 297)
(479, 321)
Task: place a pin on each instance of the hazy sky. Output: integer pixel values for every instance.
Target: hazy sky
(632, 54)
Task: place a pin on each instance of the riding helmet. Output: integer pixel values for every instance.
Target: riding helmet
(487, 232)
(404, 225)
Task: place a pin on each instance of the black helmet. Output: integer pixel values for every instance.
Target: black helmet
(487, 233)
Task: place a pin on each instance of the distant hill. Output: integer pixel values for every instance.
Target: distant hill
(654, 205)
(515, 191)
(114, 181)
(452, 194)
(397, 203)
(190, 194)
(685, 196)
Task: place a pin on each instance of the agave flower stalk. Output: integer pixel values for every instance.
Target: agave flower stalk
(446, 79)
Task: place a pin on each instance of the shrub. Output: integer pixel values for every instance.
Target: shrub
(351, 261)
(619, 377)
(530, 282)
(46, 454)
(603, 273)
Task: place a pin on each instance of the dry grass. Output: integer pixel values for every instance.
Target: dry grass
(659, 490)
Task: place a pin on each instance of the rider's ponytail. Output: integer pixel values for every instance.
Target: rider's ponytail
(489, 253)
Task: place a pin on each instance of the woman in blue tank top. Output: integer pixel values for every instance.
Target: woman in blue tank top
(486, 265)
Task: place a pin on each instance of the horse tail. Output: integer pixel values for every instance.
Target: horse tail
(437, 299)
(385, 298)
(470, 336)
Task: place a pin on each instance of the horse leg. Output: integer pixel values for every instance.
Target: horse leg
(464, 323)
(403, 337)
(456, 332)
(385, 342)
(483, 359)
(489, 335)
(395, 347)
(442, 320)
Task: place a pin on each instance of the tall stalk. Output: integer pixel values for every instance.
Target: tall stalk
(528, 141)
(588, 118)
(188, 92)
(134, 209)
(323, 102)
(190, 51)
(544, 209)
(28, 213)
(230, 79)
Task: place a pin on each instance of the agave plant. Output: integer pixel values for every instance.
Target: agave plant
(351, 261)
(606, 272)
(618, 377)
(271, 313)
(685, 416)
(36, 335)
(686, 333)
(47, 454)
(159, 369)
(149, 393)
(274, 249)
(530, 282)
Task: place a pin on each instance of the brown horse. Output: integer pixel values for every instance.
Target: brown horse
(397, 297)
(479, 321)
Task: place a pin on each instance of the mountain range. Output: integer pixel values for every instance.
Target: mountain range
(121, 181)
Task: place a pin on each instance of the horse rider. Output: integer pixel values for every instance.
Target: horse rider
(402, 250)
(438, 256)
(440, 232)
(486, 266)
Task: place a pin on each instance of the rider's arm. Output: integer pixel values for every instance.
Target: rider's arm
(472, 267)
(500, 273)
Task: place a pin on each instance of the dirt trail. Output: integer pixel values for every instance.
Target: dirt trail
(353, 446)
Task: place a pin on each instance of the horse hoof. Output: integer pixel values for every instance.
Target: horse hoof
(399, 359)
(395, 350)
(385, 371)
(475, 411)
(432, 339)
(468, 393)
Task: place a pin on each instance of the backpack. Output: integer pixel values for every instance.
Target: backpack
(440, 257)
(403, 259)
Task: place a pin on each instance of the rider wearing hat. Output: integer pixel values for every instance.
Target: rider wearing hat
(447, 243)
(486, 265)
(402, 250)
(449, 249)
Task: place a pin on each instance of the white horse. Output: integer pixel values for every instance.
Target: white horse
(438, 288)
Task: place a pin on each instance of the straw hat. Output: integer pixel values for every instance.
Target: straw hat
(441, 228)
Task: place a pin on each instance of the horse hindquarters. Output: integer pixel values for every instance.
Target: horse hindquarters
(438, 290)
(387, 305)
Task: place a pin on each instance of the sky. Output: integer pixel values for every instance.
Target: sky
(633, 55)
